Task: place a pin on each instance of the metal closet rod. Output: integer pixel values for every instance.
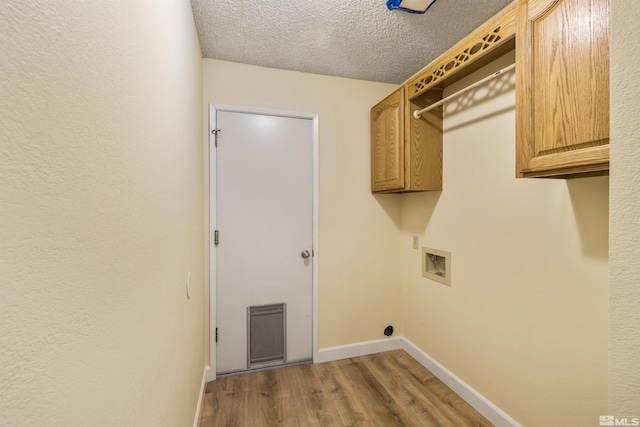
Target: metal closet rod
(418, 113)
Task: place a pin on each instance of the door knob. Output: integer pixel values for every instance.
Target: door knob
(305, 254)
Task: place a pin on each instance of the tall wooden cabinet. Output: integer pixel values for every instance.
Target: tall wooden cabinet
(406, 153)
(562, 86)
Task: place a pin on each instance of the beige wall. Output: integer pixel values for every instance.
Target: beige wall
(358, 233)
(624, 307)
(101, 191)
(525, 319)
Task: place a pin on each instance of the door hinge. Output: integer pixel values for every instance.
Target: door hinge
(216, 334)
(215, 133)
(216, 237)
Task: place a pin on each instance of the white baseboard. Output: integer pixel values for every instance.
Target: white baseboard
(490, 411)
(330, 354)
(203, 386)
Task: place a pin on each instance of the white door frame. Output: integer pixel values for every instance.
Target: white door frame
(213, 109)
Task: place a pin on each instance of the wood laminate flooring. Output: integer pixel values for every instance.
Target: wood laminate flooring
(384, 389)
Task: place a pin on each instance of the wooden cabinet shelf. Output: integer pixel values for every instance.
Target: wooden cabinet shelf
(562, 86)
(487, 43)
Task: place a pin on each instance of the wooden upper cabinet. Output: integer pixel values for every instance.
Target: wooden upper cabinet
(562, 86)
(406, 153)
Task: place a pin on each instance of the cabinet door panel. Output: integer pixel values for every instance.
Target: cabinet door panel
(387, 144)
(563, 61)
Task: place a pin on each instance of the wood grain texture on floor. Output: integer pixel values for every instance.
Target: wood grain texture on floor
(384, 389)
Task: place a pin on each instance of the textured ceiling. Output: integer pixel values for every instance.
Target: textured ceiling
(359, 39)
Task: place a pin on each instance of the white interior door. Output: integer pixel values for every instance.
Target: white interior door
(265, 223)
